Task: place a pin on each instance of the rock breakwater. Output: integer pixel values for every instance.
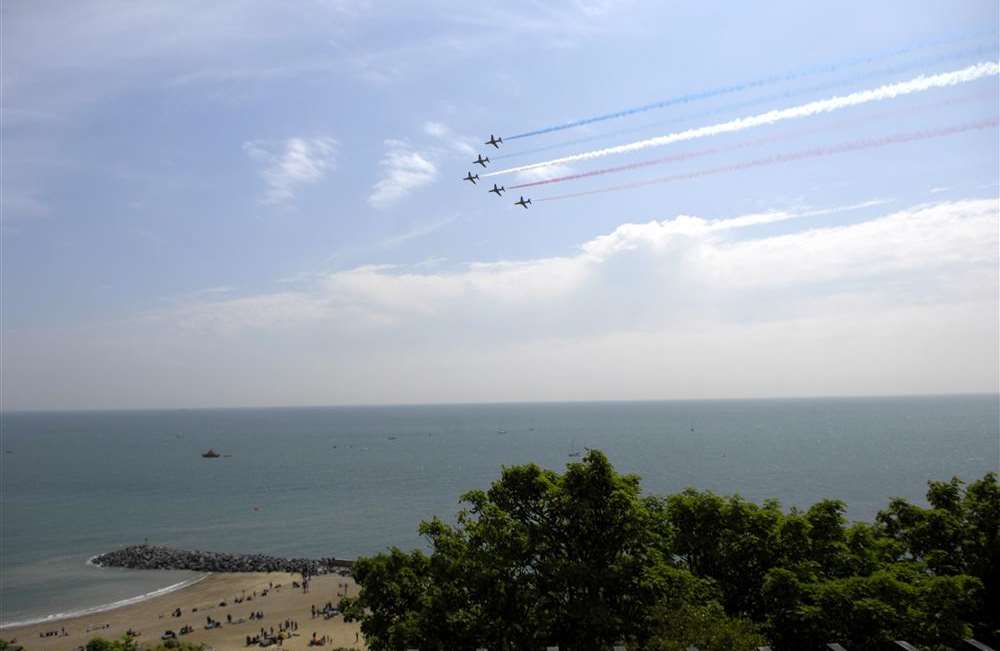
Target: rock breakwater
(156, 557)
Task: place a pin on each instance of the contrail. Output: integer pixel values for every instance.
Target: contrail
(764, 81)
(857, 145)
(887, 91)
(698, 153)
(975, 52)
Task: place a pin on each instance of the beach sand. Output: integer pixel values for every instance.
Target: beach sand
(151, 618)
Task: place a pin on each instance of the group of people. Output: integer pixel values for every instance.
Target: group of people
(265, 637)
(250, 597)
(269, 637)
(60, 633)
(318, 641)
(326, 612)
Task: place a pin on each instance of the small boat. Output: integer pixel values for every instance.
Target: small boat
(211, 454)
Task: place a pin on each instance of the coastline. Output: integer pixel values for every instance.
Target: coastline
(93, 610)
(211, 595)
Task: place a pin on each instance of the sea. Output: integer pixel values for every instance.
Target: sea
(352, 481)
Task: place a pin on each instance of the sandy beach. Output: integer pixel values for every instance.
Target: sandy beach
(151, 618)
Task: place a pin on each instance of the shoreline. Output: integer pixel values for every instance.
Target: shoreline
(103, 608)
(226, 598)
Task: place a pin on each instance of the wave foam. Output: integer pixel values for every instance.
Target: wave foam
(104, 607)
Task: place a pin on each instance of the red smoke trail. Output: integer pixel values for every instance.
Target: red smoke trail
(817, 152)
(698, 153)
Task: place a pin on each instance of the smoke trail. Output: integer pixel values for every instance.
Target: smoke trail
(764, 81)
(798, 92)
(857, 145)
(888, 91)
(698, 153)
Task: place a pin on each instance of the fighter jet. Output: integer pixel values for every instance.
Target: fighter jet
(482, 161)
(497, 190)
(523, 202)
(494, 141)
(471, 177)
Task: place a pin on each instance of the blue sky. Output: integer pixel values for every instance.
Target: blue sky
(223, 204)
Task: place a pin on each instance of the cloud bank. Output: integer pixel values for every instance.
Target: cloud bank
(766, 304)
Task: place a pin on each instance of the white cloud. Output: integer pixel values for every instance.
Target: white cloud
(462, 144)
(777, 303)
(404, 170)
(291, 164)
(681, 270)
(436, 129)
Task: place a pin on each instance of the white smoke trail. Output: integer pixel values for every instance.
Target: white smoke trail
(888, 91)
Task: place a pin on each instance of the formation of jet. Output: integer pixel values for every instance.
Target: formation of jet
(496, 189)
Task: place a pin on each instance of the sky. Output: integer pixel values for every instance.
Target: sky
(260, 204)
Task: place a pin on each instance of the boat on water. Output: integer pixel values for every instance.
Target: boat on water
(211, 454)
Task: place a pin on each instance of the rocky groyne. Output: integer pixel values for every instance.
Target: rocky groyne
(156, 557)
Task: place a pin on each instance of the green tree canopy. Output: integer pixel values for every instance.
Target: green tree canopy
(582, 559)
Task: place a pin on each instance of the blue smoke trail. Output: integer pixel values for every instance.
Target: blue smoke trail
(764, 81)
(919, 63)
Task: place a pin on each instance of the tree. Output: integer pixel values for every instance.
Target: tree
(959, 536)
(707, 627)
(582, 559)
(540, 558)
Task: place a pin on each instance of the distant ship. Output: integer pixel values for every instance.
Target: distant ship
(211, 454)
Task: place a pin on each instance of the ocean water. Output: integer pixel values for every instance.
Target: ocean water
(352, 481)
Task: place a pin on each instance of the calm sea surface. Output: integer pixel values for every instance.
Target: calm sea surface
(350, 481)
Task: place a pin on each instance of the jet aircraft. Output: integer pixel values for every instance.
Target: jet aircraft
(497, 190)
(471, 177)
(523, 202)
(494, 141)
(482, 161)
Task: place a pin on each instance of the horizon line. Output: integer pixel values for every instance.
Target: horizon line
(379, 405)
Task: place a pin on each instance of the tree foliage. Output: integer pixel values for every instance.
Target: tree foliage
(129, 643)
(583, 560)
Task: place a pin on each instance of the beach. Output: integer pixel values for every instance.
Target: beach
(276, 598)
